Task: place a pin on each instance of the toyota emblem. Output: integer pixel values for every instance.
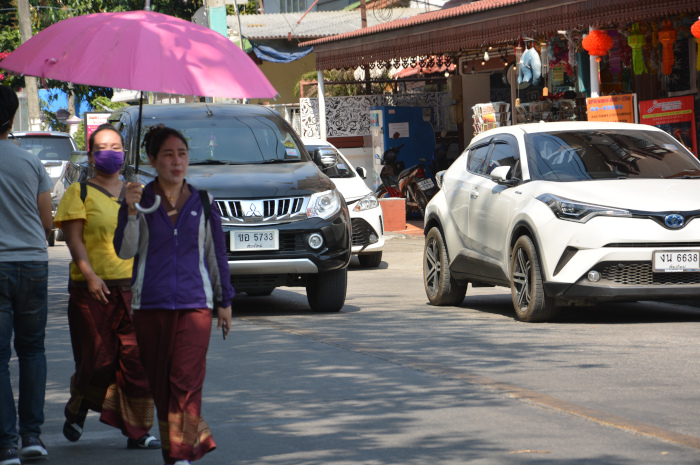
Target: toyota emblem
(674, 221)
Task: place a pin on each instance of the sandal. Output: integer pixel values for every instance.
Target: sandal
(144, 442)
(73, 431)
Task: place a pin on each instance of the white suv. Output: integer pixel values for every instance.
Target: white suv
(566, 214)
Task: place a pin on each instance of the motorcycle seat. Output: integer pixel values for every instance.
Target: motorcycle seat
(406, 172)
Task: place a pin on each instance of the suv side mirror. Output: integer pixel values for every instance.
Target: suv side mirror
(361, 171)
(325, 157)
(500, 176)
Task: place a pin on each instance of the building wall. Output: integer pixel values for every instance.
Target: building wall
(283, 76)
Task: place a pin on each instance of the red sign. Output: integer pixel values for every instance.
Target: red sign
(93, 120)
(674, 115)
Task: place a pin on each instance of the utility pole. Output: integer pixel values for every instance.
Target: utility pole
(365, 68)
(25, 31)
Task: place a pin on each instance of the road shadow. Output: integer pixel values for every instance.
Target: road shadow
(604, 313)
(282, 302)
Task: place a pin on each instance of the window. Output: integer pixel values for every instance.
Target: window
(504, 155)
(292, 6)
(477, 159)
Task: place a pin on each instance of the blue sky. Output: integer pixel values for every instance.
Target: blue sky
(61, 102)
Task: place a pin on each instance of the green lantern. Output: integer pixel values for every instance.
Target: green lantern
(636, 40)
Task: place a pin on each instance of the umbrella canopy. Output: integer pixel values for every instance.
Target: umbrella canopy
(141, 50)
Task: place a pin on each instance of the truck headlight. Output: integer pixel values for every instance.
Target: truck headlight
(367, 202)
(324, 204)
(571, 210)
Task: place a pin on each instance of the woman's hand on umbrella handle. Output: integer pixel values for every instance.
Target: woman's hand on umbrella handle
(134, 190)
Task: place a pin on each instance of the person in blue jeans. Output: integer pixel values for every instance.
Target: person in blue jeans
(25, 209)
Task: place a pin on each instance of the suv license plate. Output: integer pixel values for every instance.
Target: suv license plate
(267, 239)
(667, 261)
(426, 184)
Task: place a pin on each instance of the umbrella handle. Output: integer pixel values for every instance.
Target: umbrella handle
(151, 209)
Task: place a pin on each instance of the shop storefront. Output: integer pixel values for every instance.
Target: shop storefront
(520, 61)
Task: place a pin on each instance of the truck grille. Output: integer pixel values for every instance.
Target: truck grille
(262, 211)
(641, 274)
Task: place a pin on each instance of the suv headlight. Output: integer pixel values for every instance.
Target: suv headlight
(571, 210)
(324, 204)
(367, 202)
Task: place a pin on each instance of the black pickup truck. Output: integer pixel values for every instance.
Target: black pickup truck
(285, 223)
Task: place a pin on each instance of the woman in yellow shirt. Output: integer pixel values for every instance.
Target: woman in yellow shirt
(108, 375)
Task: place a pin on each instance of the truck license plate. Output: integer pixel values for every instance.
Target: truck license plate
(426, 184)
(667, 261)
(242, 240)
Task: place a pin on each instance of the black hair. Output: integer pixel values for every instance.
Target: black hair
(102, 127)
(156, 135)
(8, 107)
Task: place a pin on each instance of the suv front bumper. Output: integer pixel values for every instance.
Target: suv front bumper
(295, 256)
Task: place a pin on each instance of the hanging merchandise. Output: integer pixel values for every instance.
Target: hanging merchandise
(584, 66)
(667, 36)
(530, 67)
(597, 43)
(637, 41)
(615, 61)
(695, 30)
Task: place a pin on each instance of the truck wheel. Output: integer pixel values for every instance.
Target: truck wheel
(370, 260)
(326, 291)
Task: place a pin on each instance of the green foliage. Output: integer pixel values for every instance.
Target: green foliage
(337, 90)
(250, 8)
(44, 13)
(98, 103)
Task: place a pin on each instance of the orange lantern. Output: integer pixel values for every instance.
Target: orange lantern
(667, 36)
(597, 43)
(695, 29)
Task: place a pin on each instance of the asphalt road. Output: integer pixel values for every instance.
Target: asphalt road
(393, 380)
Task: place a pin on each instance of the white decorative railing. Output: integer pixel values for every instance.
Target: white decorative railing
(349, 116)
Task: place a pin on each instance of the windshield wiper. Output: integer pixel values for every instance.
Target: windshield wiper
(210, 162)
(281, 160)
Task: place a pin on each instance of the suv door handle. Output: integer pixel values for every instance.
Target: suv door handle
(474, 194)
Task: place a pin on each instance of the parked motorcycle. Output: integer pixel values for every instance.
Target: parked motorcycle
(412, 183)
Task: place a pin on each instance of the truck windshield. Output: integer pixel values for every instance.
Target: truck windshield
(47, 147)
(605, 154)
(237, 140)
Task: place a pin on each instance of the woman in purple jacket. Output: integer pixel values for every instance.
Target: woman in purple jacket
(180, 273)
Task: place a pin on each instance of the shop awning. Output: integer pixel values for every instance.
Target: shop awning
(485, 22)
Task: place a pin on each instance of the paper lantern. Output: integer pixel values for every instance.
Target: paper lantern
(667, 36)
(695, 28)
(597, 43)
(637, 41)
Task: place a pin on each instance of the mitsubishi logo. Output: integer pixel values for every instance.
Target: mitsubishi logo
(253, 211)
(674, 221)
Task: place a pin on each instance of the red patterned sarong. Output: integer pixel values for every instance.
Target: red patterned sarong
(174, 346)
(108, 375)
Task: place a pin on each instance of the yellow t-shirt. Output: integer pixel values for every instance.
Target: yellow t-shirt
(100, 215)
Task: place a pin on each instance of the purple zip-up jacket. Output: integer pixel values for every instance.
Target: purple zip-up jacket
(176, 267)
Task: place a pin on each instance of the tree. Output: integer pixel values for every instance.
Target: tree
(353, 86)
(48, 12)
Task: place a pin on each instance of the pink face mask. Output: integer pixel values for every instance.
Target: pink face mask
(108, 161)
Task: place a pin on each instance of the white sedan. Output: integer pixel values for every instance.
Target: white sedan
(365, 212)
(566, 214)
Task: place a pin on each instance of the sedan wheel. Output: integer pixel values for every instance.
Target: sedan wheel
(529, 299)
(440, 287)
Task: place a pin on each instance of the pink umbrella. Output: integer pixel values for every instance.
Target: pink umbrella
(141, 50)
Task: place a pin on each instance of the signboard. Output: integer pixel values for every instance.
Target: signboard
(675, 115)
(614, 108)
(92, 120)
